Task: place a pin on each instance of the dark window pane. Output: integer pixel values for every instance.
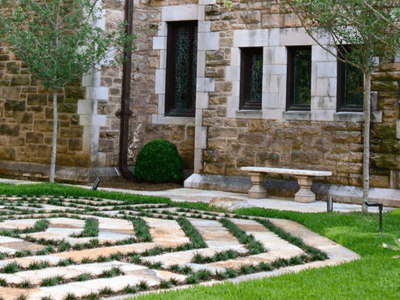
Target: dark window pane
(181, 69)
(302, 78)
(255, 89)
(251, 78)
(354, 82)
(299, 78)
(350, 92)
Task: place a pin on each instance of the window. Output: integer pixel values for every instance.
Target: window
(298, 94)
(350, 86)
(251, 76)
(181, 69)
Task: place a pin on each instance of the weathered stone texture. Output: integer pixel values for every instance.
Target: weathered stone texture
(26, 112)
(144, 101)
(334, 146)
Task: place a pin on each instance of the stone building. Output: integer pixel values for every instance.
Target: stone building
(243, 103)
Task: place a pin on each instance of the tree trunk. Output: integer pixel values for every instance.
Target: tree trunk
(55, 129)
(367, 129)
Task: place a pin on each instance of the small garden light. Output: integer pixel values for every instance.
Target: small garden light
(380, 205)
(96, 184)
(329, 204)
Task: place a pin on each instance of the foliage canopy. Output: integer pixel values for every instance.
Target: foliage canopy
(60, 40)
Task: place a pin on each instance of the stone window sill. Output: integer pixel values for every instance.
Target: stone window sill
(349, 116)
(160, 119)
(297, 115)
(249, 114)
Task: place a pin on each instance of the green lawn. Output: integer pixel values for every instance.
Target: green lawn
(375, 276)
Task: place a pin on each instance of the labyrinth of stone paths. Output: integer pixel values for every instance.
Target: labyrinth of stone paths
(47, 253)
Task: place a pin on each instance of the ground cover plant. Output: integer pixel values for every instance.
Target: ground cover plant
(153, 216)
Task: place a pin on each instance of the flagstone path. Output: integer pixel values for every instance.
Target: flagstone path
(58, 261)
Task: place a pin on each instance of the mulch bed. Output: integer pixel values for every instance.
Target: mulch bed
(140, 186)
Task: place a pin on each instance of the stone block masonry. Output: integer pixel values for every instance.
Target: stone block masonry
(26, 122)
(321, 139)
(221, 137)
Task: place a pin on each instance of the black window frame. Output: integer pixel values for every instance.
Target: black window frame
(245, 76)
(341, 85)
(290, 86)
(170, 69)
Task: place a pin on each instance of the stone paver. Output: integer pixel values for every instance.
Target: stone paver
(165, 233)
(215, 235)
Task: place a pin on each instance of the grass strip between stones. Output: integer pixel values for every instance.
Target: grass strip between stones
(36, 190)
(255, 247)
(220, 256)
(193, 234)
(91, 229)
(142, 230)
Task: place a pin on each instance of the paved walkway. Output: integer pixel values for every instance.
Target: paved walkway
(196, 195)
(49, 249)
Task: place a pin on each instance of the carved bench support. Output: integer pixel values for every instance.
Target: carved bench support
(305, 194)
(258, 189)
(304, 178)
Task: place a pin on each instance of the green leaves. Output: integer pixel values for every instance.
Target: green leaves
(60, 40)
(371, 26)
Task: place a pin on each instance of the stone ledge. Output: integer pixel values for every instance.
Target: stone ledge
(297, 115)
(40, 172)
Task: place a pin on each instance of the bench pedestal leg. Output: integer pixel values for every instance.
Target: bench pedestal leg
(258, 190)
(305, 194)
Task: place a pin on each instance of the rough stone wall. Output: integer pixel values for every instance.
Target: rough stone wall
(26, 119)
(144, 101)
(385, 147)
(334, 146)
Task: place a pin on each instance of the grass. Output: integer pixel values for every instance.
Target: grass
(53, 189)
(375, 276)
(51, 281)
(142, 230)
(255, 247)
(220, 256)
(91, 229)
(195, 237)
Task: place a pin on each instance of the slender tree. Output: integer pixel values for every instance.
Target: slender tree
(60, 40)
(371, 27)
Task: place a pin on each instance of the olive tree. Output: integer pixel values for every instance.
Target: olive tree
(59, 41)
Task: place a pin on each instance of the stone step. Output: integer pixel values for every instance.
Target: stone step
(166, 232)
(272, 242)
(215, 235)
(183, 257)
(26, 261)
(35, 277)
(93, 254)
(80, 289)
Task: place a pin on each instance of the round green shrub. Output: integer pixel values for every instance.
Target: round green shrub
(159, 161)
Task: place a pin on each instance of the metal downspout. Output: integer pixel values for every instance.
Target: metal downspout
(125, 98)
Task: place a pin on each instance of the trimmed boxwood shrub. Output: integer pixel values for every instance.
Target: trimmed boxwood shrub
(159, 161)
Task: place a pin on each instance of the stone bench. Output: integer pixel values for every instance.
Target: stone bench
(304, 178)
